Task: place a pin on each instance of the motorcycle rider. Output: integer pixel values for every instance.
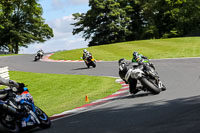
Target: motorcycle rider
(143, 60)
(18, 89)
(40, 52)
(86, 54)
(124, 67)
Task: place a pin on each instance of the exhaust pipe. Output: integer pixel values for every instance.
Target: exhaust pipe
(10, 110)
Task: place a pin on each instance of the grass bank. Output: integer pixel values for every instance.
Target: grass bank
(154, 49)
(56, 93)
(8, 54)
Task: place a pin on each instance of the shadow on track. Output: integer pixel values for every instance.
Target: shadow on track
(144, 94)
(82, 68)
(4, 130)
(179, 115)
(163, 116)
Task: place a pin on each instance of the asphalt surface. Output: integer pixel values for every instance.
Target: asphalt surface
(175, 110)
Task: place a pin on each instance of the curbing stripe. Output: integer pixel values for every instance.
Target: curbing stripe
(121, 92)
(46, 59)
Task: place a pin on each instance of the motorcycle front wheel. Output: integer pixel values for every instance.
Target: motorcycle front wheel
(36, 58)
(150, 86)
(43, 118)
(93, 65)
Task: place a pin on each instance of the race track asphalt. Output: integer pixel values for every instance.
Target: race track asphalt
(175, 110)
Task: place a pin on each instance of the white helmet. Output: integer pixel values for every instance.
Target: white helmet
(84, 50)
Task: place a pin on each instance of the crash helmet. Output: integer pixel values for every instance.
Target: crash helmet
(122, 64)
(135, 54)
(18, 89)
(121, 61)
(84, 50)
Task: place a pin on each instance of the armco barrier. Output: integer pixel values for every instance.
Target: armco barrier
(4, 72)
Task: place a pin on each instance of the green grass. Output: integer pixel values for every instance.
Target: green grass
(154, 49)
(8, 54)
(56, 93)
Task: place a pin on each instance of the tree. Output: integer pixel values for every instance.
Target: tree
(110, 21)
(133, 9)
(104, 23)
(171, 18)
(22, 24)
(188, 18)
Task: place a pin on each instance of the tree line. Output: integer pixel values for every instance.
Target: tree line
(110, 21)
(21, 23)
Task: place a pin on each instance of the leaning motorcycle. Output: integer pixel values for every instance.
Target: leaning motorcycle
(148, 78)
(31, 114)
(90, 61)
(38, 56)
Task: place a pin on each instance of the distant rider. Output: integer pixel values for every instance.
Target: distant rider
(86, 54)
(40, 52)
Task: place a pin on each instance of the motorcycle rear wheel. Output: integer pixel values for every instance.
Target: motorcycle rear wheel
(12, 127)
(150, 86)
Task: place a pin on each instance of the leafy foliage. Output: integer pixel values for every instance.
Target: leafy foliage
(104, 23)
(110, 21)
(21, 24)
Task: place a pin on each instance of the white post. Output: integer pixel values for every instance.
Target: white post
(4, 72)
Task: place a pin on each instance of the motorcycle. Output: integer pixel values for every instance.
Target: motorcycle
(32, 116)
(145, 74)
(38, 56)
(148, 78)
(90, 61)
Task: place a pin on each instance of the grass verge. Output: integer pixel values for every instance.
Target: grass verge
(154, 49)
(8, 54)
(56, 93)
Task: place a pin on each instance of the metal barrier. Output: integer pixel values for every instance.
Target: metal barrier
(4, 72)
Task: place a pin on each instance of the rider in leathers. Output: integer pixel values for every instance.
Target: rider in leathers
(40, 53)
(125, 66)
(15, 87)
(86, 54)
(142, 60)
